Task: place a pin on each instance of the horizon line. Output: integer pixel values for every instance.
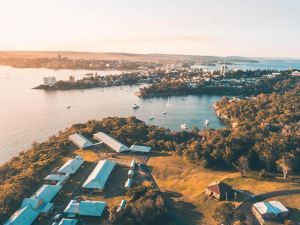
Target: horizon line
(153, 53)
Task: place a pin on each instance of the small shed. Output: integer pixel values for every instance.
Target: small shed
(140, 148)
(65, 221)
(219, 190)
(132, 164)
(130, 173)
(121, 205)
(56, 178)
(128, 183)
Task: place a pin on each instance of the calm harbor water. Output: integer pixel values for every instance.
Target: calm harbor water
(28, 115)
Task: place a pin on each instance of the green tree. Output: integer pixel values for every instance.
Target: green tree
(224, 213)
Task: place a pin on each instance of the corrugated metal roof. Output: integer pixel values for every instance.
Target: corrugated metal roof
(24, 216)
(56, 177)
(65, 221)
(128, 183)
(140, 148)
(272, 207)
(111, 142)
(80, 140)
(85, 208)
(47, 192)
(72, 207)
(130, 172)
(100, 174)
(72, 165)
(37, 204)
(132, 164)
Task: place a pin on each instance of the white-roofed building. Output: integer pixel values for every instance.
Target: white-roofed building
(65, 221)
(132, 164)
(80, 141)
(140, 148)
(130, 173)
(85, 208)
(121, 205)
(56, 179)
(97, 179)
(24, 216)
(269, 210)
(71, 166)
(128, 183)
(110, 142)
(296, 73)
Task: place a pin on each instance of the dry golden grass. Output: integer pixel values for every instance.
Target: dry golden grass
(88, 155)
(184, 183)
(258, 185)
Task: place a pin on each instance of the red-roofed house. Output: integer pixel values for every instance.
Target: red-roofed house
(218, 190)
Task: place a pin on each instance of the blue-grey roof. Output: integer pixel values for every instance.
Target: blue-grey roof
(128, 183)
(72, 165)
(47, 192)
(65, 221)
(24, 216)
(273, 207)
(100, 174)
(85, 208)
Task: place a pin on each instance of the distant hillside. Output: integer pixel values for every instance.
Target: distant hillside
(164, 58)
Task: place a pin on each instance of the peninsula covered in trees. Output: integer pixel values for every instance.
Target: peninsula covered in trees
(263, 129)
(249, 82)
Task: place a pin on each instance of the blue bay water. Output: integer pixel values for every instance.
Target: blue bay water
(28, 115)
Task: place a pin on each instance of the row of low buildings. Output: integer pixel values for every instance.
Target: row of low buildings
(40, 203)
(130, 174)
(96, 181)
(82, 142)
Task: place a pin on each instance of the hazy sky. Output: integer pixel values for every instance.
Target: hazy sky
(205, 27)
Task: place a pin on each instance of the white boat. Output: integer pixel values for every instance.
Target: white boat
(164, 112)
(184, 126)
(168, 103)
(135, 106)
(206, 123)
(151, 117)
(183, 98)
